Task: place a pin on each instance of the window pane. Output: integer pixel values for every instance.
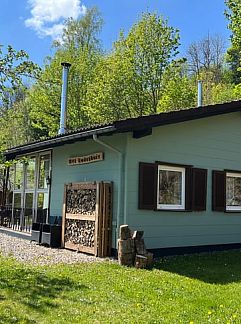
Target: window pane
(233, 191)
(11, 179)
(18, 183)
(43, 200)
(17, 209)
(17, 200)
(28, 211)
(170, 187)
(10, 186)
(29, 200)
(30, 173)
(42, 206)
(44, 165)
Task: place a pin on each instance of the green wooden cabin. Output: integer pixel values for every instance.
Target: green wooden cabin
(175, 175)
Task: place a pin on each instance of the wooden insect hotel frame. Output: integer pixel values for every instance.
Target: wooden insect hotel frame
(87, 217)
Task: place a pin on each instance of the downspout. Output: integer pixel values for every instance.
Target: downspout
(121, 182)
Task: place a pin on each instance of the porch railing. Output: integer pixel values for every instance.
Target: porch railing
(15, 219)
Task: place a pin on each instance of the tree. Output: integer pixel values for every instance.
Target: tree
(206, 62)
(14, 65)
(83, 33)
(15, 125)
(128, 81)
(233, 14)
(80, 47)
(15, 68)
(109, 95)
(224, 92)
(179, 91)
(149, 48)
(207, 55)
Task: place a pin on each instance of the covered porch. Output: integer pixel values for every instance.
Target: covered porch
(25, 192)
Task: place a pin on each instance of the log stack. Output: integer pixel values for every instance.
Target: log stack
(87, 217)
(132, 250)
(126, 247)
(80, 232)
(81, 201)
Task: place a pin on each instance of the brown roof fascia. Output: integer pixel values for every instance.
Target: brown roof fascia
(127, 125)
(174, 117)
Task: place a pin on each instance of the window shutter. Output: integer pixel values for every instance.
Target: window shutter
(219, 191)
(147, 185)
(188, 189)
(199, 189)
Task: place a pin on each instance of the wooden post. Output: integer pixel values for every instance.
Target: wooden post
(63, 217)
(97, 215)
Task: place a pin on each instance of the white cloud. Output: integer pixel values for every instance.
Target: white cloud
(47, 16)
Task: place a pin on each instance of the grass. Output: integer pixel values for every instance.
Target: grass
(203, 288)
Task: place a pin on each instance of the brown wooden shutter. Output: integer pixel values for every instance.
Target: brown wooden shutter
(199, 189)
(188, 189)
(147, 185)
(219, 190)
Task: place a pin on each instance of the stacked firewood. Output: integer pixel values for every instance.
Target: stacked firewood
(80, 232)
(81, 201)
(132, 250)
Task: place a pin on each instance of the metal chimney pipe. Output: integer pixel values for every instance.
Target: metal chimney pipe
(65, 73)
(199, 93)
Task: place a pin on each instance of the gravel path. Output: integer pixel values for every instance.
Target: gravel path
(30, 252)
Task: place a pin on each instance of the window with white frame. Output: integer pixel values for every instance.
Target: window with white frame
(31, 188)
(171, 187)
(233, 191)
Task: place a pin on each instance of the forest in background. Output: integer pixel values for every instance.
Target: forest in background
(142, 74)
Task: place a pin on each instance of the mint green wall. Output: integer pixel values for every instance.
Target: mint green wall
(213, 143)
(107, 170)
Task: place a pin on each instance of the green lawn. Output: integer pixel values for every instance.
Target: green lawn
(203, 288)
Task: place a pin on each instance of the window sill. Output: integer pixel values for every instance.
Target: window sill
(171, 210)
(233, 211)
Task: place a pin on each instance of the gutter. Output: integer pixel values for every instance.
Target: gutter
(120, 180)
(56, 141)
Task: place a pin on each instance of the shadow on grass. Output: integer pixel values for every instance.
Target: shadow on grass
(215, 268)
(35, 288)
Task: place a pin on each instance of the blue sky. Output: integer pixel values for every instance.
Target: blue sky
(32, 25)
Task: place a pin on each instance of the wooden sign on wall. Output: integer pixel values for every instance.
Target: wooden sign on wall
(95, 157)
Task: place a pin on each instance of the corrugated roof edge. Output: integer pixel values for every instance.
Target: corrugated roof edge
(57, 141)
(125, 125)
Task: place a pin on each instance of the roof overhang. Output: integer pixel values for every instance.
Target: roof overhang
(140, 126)
(57, 141)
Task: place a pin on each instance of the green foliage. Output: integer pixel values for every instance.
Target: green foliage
(224, 92)
(128, 82)
(109, 93)
(179, 91)
(80, 47)
(139, 76)
(233, 14)
(14, 65)
(196, 288)
(15, 125)
(149, 48)
(82, 34)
